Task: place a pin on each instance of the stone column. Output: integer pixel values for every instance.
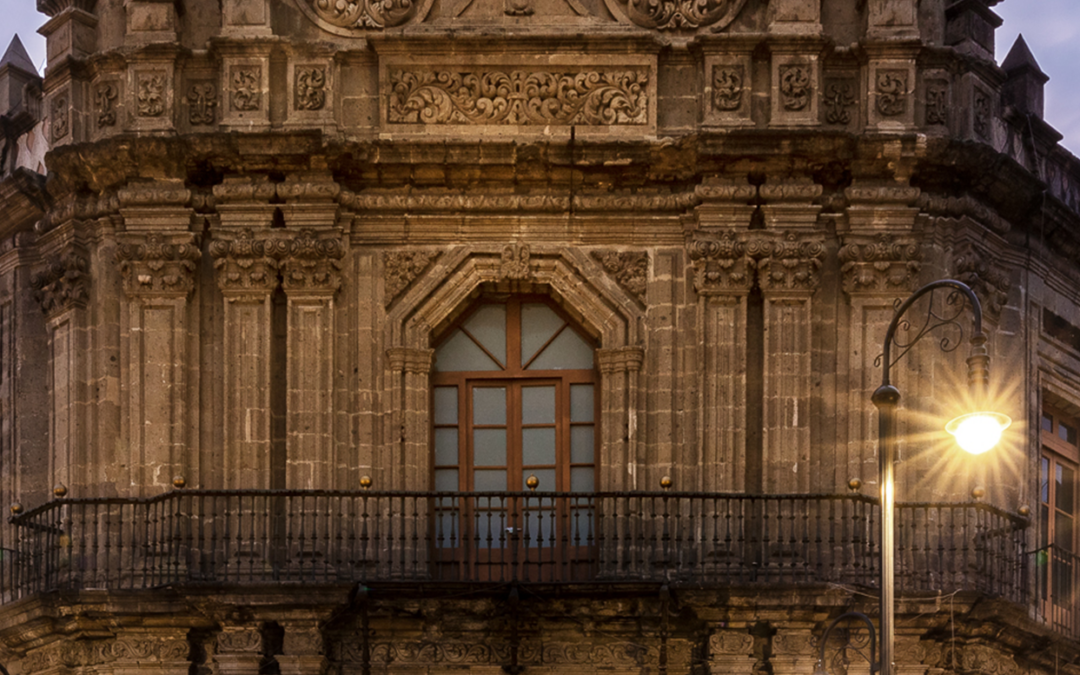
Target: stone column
(71, 36)
(304, 653)
(410, 373)
(247, 270)
(311, 276)
(238, 650)
(157, 258)
(619, 368)
(793, 652)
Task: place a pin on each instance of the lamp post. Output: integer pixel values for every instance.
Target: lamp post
(976, 433)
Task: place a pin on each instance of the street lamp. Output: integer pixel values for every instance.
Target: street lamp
(975, 432)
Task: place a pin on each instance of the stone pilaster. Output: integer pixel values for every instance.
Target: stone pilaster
(246, 18)
(731, 652)
(410, 372)
(304, 652)
(619, 371)
(150, 21)
(238, 650)
(793, 652)
(795, 17)
(892, 19)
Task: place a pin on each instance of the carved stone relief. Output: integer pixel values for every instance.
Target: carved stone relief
(150, 94)
(838, 100)
(980, 111)
(629, 269)
(63, 283)
(310, 87)
(937, 102)
(353, 17)
(892, 92)
(158, 266)
(720, 264)
(789, 264)
(202, 102)
(59, 117)
(247, 263)
(246, 88)
(518, 97)
(307, 262)
(515, 262)
(239, 640)
(313, 263)
(726, 263)
(105, 96)
(981, 270)
(678, 15)
(795, 87)
(881, 264)
(401, 268)
(89, 653)
(727, 87)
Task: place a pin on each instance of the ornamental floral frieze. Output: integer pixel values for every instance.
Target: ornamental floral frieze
(309, 261)
(401, 268)
(526, 96)
(884, 264)
(88, 653)
(678, 15)
(63, 283)
(983, 272)
(357, 17)
(629, 269)
(478, 202)
(158, 265)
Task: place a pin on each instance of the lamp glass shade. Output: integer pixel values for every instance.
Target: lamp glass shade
(978, 432)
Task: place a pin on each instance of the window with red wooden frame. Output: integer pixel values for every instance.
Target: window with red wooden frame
(1058, 517)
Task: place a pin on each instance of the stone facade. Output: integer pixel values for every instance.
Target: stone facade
(220, 310)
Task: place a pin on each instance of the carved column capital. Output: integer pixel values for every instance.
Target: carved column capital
(620, 359)
(790, 263)
(401, 268)
(63, 283)
(158, 264)
(247, 265)
(980, 269)
(884, 263)
(410, 360)
(630, 269)
(720, 264)
(312, 263)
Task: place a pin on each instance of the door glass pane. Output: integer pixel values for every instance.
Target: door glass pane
(581, 444)
(1063, 531)
(446, 480)
(1044, 527)
(582, 479)
(545, 476)
(538, 447)
(581, 403)
(1067, 433)
(489, 448)
(446, 405)
(1066, 478)
(566, 352)
(538, 405)
(461, 353)
(488, 326)
(1044, 480)
(489, 479)
(538, 323)
(489, 405)
(446, 446)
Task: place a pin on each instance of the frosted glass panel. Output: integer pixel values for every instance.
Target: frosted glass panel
(546, 477)
(538, 405)
(489, 447)
(581, 403)
(582, 479)
(566, 352)
(446, 480)
(446, 447)
(489, 405)
(488, 326)
(489, 479)
(538, 323)
(538, 446)
(461, 353)
(581, 445)
(446, 405)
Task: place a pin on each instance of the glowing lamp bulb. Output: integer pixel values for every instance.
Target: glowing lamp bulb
(979, 431)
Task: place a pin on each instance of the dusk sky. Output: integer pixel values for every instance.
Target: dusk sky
(1050, 27)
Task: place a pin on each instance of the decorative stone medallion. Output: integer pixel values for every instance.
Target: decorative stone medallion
(357, 17)
(677, 15)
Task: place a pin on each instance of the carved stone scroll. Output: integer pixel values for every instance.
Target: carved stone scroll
(882, 264)
(402, 268)
(892, 92)
(678, 15)
(63, 283)
(629, 269)
(983, 272)
(158, 265)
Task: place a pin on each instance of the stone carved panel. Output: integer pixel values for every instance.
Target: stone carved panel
(247, 263)
(982, 271)
(245, 84)
(310, 86)
(795, 86)
(598, 97)
(156, 265)
(678, 15)
(313, 263)
(788, 264)
(63, 283)
(731, 643)
(150, 93)
(356, 17)
(239, 640)
(401, 268)
(105, 96)
(727, 264)
(514, 263)
(307, 262)
(727, 87)
(980, 114)
(629, 269)
(60, 116)
(613, 654)
(838, 100)
(720, 264)
(90, 653)
(882, 264)
(202, 102)
(937, 102)
(892, 92)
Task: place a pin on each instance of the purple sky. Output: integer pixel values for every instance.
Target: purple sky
(1050, 27)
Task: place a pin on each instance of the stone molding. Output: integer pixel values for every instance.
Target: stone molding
(63, 283)
(884, 263)
(239, 640)
(410, 360)
(359, 18)
(456, 202)
(157, 264)
(90, 653)
(620, 359)
(677, 15)
(629, 269)
(980, 269)
(614, 654)
(401, 268)
(731, 263)
(466, 95)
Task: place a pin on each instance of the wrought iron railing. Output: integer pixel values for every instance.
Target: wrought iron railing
(703, 539)
(1057, 574)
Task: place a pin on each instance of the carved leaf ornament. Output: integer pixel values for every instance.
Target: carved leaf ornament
(519, 97)
(678, 14)
(356, 17)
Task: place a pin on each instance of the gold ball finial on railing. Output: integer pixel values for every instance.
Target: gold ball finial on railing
(365, 482)
(178, 482)
(665, 482)
(60, 491)
(978, 493)
(854, 484)
(1024, 510)
(16, 509)
(532, 482)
